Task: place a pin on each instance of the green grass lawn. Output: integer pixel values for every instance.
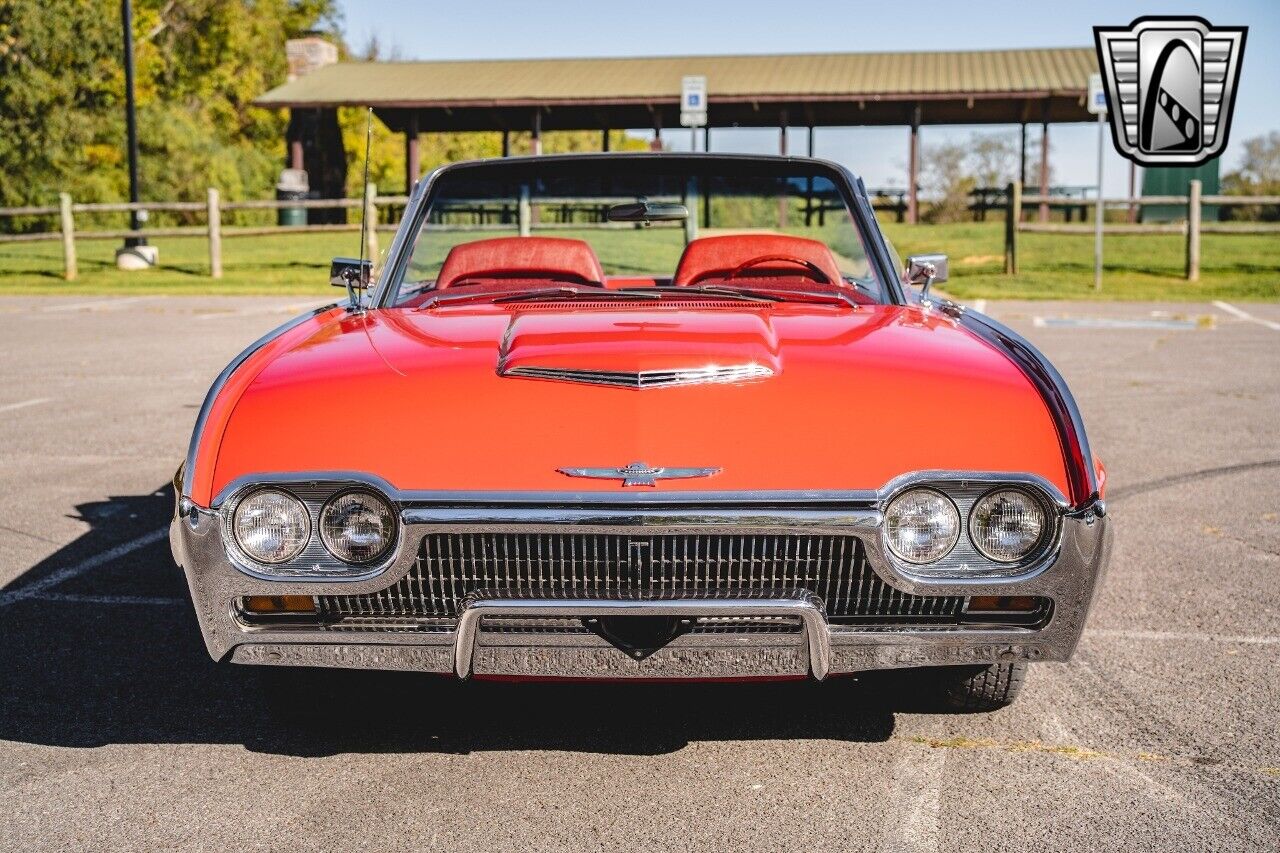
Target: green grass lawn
(1054, 266)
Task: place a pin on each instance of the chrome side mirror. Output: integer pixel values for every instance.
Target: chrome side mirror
(924, 270)
(351, 273)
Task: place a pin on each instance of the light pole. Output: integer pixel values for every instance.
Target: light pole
(135, 254)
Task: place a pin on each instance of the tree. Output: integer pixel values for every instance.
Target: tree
(993, 159)
(946, 179)
(1259, 174)
(200, 63)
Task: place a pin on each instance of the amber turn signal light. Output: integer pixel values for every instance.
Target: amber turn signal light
(1001, 604)
(279, 604)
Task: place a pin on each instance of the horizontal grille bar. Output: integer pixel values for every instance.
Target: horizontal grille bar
(452, 566)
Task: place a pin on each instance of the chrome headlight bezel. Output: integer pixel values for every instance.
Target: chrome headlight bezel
(327, 538)
(304, 516)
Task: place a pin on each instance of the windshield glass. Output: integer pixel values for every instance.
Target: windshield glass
(619, 222)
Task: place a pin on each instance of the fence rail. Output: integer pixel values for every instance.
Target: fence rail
(1192, 227)
(213, 229)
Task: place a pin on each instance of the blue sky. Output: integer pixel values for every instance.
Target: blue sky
(487, 29)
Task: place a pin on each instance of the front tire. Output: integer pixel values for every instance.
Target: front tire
(971, 689)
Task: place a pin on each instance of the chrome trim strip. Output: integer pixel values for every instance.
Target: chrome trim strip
(808, 608)
(1053, 388)
(203, 417)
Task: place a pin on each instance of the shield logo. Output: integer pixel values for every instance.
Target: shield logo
(1171, 85)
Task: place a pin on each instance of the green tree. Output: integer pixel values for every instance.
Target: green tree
(199, 65)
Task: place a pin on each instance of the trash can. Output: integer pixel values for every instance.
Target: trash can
(292, 186)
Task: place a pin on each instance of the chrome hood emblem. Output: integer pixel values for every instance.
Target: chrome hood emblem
(639, 473)
(712, 374)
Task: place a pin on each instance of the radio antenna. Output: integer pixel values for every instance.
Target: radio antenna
(364, 203)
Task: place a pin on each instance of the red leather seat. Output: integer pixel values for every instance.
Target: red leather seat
(716, 257)
(500, 259)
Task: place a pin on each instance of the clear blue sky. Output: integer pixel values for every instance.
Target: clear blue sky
(488, 29)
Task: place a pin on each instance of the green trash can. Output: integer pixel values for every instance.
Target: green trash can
(292, 186)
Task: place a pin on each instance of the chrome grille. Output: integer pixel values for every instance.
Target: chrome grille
(452, 566)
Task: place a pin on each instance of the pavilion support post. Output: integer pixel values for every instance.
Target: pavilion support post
(656, 144)
(782, 151)
(1133, 191)
(535, 143)
(604, 139)
(506, 143)
(1044, 164)
(808, 186)
(1022, 154)
(412, 156)
(706, 138)
(913, 168)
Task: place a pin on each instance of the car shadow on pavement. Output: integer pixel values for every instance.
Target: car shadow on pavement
(112, 654)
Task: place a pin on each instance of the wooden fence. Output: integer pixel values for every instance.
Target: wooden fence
(212, 207)
(1192, 227)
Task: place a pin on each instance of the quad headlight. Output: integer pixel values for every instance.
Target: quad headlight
(921, 525)
(357, 527)
(1006, 525)
(271, 526)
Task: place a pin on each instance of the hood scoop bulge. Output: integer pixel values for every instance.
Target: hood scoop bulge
(640, 349)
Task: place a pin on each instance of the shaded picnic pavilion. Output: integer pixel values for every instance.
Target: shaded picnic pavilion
(1040, 86)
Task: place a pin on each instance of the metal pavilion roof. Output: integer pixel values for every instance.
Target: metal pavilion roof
(821, 88)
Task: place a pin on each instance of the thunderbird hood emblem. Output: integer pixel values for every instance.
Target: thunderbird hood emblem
(639, 473)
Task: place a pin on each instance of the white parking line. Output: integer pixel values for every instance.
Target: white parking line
(1246, 316)
(98, 303)
(80, 568)
(1192, 636)
(914, 802)
(13, 407)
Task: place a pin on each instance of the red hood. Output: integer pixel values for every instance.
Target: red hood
(856, 398)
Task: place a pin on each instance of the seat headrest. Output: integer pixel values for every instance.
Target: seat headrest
(521, 257)
(712, 257)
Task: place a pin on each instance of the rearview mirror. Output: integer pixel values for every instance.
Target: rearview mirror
(924, 270)
(350, 272)
(647, 211)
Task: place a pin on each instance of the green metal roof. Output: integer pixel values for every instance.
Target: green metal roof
(1042, 73)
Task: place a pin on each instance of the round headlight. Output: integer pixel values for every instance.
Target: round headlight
(357, 527)
(1006, 525)
(271, 526)
(921, 525)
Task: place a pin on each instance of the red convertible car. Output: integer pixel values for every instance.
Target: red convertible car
(651, 416)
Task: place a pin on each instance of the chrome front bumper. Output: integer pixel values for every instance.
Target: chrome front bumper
(818, 649)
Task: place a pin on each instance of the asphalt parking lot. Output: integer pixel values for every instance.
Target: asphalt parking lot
(117, 731)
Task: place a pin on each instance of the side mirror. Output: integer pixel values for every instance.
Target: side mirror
(924, 270)
(351, 273)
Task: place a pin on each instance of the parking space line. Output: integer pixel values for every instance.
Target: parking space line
(13, 407)
(1191, 636)
(97, 303)
(1246, 316)
(80, 568)
(914, 802)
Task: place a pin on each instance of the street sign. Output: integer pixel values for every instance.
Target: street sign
(1097, 95)
(693, 101)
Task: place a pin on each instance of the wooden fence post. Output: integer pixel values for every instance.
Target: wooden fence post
(215, 234)
(1012, 217)
(69, 271)
(371, 219)
(1193, 231)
